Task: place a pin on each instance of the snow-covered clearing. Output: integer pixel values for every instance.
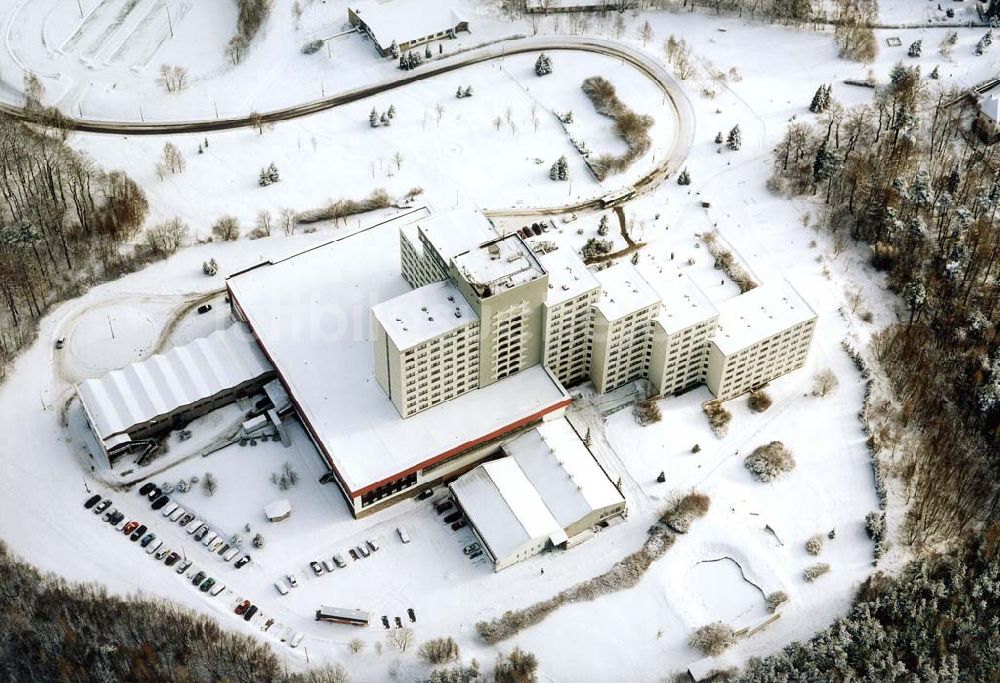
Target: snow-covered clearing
(642, 632)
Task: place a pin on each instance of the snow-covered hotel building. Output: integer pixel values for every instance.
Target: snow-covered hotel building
(407, 382)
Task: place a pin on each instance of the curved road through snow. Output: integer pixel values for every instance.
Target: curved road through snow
(672, 91)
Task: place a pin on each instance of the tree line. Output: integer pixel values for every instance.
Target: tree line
(906, 176)
(62, 222)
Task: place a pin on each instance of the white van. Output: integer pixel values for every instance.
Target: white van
(297, 638)
(169, 509)
(194, 525)
(207, 541)
(328, 565)
(151, 548)
(282, 588)
(177, 514)
(216, 589)
(230, 554)
(404, 535)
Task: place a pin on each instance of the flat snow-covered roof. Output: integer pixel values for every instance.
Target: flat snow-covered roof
(625, 291)
(424, 313)
(499, 264)
(405, 20)
(684, 304)
(456, 231)
(758, 314)
(562, 470)
(505, 507)
(311, 315)
(569, 277)
(181, 376)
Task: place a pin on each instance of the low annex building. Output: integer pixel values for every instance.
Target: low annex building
(402, 25)
(127, 408)
(547, 491)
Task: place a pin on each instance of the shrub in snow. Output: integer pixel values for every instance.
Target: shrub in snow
(718, 138)
(815, 571)
(227, 228)
(183, 486)
(456, 674)
(312, 47)
(517, 667)
(269, 175)
(373, 118)
(718, 417)
(875, 526)
(603, 228)
(210, 267)
(696, 448)
(646, 412)
(814, 546)
(439, 650)
(915, 48)
(713, 639)
(735, 138)
(167, 487)
(825, 382)
(410, 61)
(682, 510)
(821, 100)
(684, 178)
(758, 401)
(258, 541)
(356, 645)
(776, 600)
(595, 247)
(770, 461)
(208, 484)
(543, 65)
(560, 169)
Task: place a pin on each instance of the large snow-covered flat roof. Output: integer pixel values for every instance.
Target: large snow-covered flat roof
(424, 313)
(758, 314)
(311, 315)
(684, 304)
(500, 264)
(625, 291)
(184, 375)
(456, 231)
(404, 21)
(569, 277)
(562, 470)
(505, 507)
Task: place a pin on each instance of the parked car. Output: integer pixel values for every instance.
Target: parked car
(154, 493)
(92, 501)
(404, 535)
(102, 506)
(224, 549)
(328, 565)
(293, 580)
(425, 494)
(339, 559)
(160, 502)
(183, 566)
(109, 514)
(242, 607)
(385, 621)
(147, 539)
(248, 615)
(373, 544)
(471, 548)
(204, 308)
(399, 622)
(201, 533)
(316, 567)
(242, 562)
(458, 525)
(216, 589)
(154, 546)
(216, 544)
(475, 554)
(296, 639)
(411, 614)
(198, 578)
(117, 518)
(161, 552)
(169, 509)
(177, 514)
(282, 588)
(121, 524)
(172, 559)
(363, 551)
(186, 519)
(230, 554)
(138, 533)
(210, 539)
(194, 526)
(442, 508)
(453, 517)
(146, 488)
(130, 527)
(60, 342)
(206, 584)
(353, 553)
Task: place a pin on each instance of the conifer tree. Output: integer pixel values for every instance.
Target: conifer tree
(735, 138)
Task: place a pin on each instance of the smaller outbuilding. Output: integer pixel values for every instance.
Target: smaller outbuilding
(548, 491)
(401, 25)
(278, 511)
(987, 123)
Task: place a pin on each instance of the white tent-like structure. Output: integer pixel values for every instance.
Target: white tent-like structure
(547, 490)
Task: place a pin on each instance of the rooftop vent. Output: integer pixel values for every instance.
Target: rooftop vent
(458, 314)
(494, 250)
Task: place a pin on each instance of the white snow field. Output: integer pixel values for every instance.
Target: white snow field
(728, 562)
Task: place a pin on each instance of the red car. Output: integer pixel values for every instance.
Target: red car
(130, 527)
(458, 525)
(243, 607)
